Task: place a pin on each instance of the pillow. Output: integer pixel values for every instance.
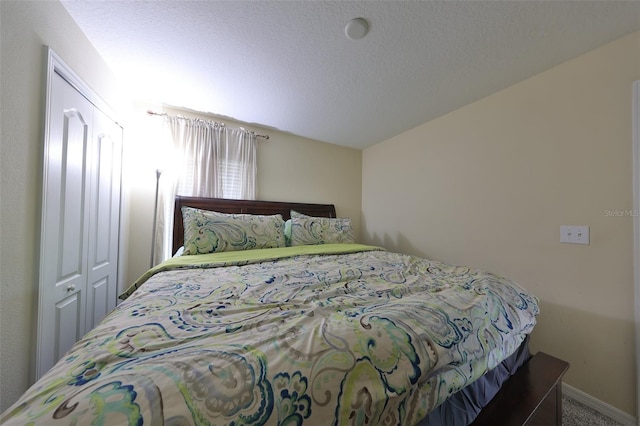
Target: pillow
(287, 233)
(308, 230)
(213, 232)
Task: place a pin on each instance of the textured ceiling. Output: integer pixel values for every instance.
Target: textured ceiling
(288, 65)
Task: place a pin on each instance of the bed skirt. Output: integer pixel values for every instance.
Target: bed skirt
(463, 407)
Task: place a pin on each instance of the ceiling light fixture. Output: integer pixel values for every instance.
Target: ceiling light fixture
(356, 28)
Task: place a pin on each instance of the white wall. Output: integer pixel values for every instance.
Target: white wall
(490, 184)
(25, 27)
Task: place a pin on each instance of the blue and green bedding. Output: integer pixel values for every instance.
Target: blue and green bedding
(328, 334)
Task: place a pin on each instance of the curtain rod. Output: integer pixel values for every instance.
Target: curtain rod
(164, 114)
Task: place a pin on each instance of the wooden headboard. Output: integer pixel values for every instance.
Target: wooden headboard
(242, 206)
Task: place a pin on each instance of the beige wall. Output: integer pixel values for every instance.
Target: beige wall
(25, 27)
(290, 168)
(490, 184)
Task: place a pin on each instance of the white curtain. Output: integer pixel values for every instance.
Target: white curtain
(206, 159)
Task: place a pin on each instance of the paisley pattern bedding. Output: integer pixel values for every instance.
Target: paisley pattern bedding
(366, 337)
(306, 230)
(210, 232)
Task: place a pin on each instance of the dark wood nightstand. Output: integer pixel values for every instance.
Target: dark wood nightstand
(532, 396)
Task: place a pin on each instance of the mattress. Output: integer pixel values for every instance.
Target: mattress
(328, 334)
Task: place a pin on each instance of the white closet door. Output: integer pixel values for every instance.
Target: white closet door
(104, 218)
(63, 256)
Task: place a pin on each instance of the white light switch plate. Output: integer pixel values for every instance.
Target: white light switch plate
(574, 234)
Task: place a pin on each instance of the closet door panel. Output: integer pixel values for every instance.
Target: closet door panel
(78, 271)
(71, 149)
(104, 218)
(68, 315)
(63, 255)
(98, 301)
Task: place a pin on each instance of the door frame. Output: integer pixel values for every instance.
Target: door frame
(56, 66)
(636, 232)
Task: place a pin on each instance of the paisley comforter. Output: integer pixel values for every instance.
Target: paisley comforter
(333, 334)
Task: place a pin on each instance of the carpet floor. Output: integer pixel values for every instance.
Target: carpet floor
(577, 414)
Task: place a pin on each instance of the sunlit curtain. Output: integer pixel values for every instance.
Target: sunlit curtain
(207, 159)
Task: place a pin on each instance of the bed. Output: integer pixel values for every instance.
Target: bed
(289, 321)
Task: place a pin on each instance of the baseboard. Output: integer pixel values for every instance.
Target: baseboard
(601, 407)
